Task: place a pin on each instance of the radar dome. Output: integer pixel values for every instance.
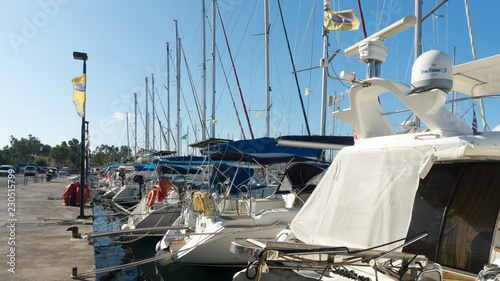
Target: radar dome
(432, 70)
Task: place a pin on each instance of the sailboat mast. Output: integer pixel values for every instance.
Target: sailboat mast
(128, 140)
(268, 87)
(324, 90)
(212, 134)
(473, 46)
(135, 123)
(153, 102)
(146, 145)
(204, 66)
(178, 58)
(168, 98)
(418, 43)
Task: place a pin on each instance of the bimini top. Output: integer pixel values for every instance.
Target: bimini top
(260, 158)
(265, 146)
(478, 78)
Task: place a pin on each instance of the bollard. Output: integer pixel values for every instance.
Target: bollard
(25, 181)
(34, 179)
(41, 178)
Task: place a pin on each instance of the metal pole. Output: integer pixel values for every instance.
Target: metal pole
(324, 90)
(146, 145)
(135, 123)
(179, 95)
(153, 98)
(418, 43)
(213, 69)
(473, 46)
(168, 98)
(128, 140)
(204, 66)
(268, 87)
(82, 152)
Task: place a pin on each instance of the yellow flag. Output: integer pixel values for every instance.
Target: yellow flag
(308, 91)
(258, 114)
(343, 20)
(79, 85)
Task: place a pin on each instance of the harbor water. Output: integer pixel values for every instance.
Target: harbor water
(114, 251)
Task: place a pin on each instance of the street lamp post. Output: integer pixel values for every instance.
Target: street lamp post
(82, 56)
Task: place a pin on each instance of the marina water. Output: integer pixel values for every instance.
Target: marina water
(113, 251)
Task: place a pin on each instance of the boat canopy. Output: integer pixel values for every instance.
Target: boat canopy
(145, 167)
(259, 158)
(180, 169)
(264, 146)
(478, 78)
(297, 176)
(364, 199)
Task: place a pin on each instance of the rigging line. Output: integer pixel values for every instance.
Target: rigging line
(231, 94)
(362, 18)
(228, 87)
(187, 110)
(194, 92)
(313, 15)
(237, 81)
(295, 74)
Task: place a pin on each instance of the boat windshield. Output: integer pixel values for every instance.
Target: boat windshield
(457, 204)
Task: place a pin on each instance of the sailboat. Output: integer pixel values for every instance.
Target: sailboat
(399, 205)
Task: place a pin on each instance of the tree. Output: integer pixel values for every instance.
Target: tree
(40, 161)
(60, 153)
(24, 150)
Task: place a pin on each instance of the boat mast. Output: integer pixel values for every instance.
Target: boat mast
(213, 69)
(135, 123)
(168, 98)
(324, 65)
(204, 67)
(178, 57)
(418, 44)
(268, 87)
(146, 145)
(153, 102)
(473, 47)
(128, 140)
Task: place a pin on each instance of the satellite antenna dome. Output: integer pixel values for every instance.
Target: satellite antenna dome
(432, 70)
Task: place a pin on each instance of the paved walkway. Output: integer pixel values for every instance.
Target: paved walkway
(33, 238)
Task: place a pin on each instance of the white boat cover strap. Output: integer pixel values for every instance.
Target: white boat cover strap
(364, 199)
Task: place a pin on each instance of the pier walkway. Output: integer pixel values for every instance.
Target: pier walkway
(34, 243)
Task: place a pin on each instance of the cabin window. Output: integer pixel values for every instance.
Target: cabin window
(460, 235)
(470, 218)
(430, 203)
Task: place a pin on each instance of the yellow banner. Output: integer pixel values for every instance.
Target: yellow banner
(343, 20)
(308, 91)
(79, 86)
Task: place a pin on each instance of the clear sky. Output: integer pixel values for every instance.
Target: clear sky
(126, 41)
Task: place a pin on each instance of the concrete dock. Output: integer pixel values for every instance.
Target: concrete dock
(34, 242)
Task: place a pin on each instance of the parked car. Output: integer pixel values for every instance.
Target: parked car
(30, 171)
(64, 172)
(4, 170)
(43, 170)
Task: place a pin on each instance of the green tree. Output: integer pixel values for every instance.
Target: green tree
(24, 150)
(40, 161)
(60, 153)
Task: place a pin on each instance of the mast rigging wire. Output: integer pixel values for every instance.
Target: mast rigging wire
(235, 74)
(294, 73)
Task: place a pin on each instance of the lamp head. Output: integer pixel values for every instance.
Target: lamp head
(80, 56)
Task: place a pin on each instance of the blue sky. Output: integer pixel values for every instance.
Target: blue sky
(126, 41)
